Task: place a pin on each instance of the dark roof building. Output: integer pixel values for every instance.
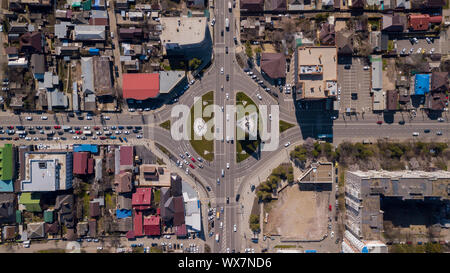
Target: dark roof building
(52, 228)
(435, 101)
(357, 4)
(123, 183)
(31, 42)
(130, 33)
(7, 208)
(80, 163)
(275, 5)
(178, 216)
(175, 185)
(93, 228)
(392, 100)
(252, 5)
(439, 82)
(9, 232)
(393, 23)
(273, 65)
(94, 209)
(344, 43)
(327, 34)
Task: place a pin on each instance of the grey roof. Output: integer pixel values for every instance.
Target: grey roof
(75, 104)
(58, 99)
(99, 14)
(377, 72)
(98, 169)
(38, 63)
(36, 230)
(50, 80)
(87, 74)
(124, 201)
(7, 211)
(61, 29)
(169, 79)
(125, 224)
(89, 32)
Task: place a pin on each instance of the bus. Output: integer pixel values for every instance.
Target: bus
(229, 6)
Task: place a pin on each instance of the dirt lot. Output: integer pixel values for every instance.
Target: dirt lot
(389, 74)
(299, 214)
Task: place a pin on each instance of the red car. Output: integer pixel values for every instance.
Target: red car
(16, 138)
(192, 166)
(379, 122)
(57, 127)
(102, 137)
(78, 132)
(329, 207)
(193, 159)
(10, 127)
(96, 128)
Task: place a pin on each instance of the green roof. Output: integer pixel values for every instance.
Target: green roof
(87, 5)
(18, 217)
(31, 200)
(48, 216)
(6, 162)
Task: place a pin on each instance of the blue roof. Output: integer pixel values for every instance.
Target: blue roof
(86, 148)
(422, 84)
(123, 213)
(6, 186)
(364, 250)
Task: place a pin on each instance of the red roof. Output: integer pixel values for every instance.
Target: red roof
(152, 225)
(419, 21)
(140, 86)
(142, 198)
(90, 165)
(80, 162)
(130, 234)
(158, 211)
(98, 21)
(126, 155)
(138, 223)
(181, 231)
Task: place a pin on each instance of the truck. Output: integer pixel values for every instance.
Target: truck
(26, 244)
(21, 132)
(218, 215)
(229, 6)
(87, 133)
(227, 24)
(217, 237)
(49, 132)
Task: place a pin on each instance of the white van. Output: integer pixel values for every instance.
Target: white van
(217, 237)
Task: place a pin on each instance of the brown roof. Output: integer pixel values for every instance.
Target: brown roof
(392, 100)
(92, 227)
(358, 4)
(327, 34)
(252, 5)
(94, 209)
(276, 5)
(70, 234)
(52, 228)
(98, 21)
(123, 182)
(9, 232)
(11, 50)
(31, 42)
(274, 65)
(344, 42)
(439, 81)
(435, 101)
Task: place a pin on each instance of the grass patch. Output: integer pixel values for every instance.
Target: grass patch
(160, 161)
(157, 197)
(425, 248)
(246, 147)
(285, 246)
(390, 46)
(285, 125)
(166, 125)
(202, 145)
(109, 200)
(138, 250)
(156, 249)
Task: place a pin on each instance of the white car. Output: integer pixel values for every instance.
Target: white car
(87, 127)
(228, 165)
(234, 228)
(29, 118)
(228, 250)
(187, 171)
(403, 50)
(221, 225)
(76, 137)
(106, 117)
(419, 50)
(131, 110)
(44, 117)
(440, 119)
(227, 96)
(432, 50)
(287, 144)
(99, 248)
(411, 50)
(270, 116)
(146, 109)
(89, 117)
(415, 134)
(259, 96)
(332, 234)
(138, 136)
(221, 70)
(228, 117)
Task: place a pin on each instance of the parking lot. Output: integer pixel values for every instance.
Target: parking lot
(354, 80)
(421, 44)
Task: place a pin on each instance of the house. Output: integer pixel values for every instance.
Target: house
(392, 100)
(175, 185)
(439, 82)
(275, 5)
(12, 52)
(422, 84)
(89, 33)
(32, 42)
(121, 4)
(92, 228)
(64, 206)
(140, 86)
(125, 224)
(273, 65)
(38, 66)
(344, 43)
(94, 209)
(7, 208)
(142, 198)
(81, 162)
(193, 217)
(49, 216)
(378, 41)
(7, 168)
(356, 4)
(52, 228)
(82, 228)
(152, 225)
(102, 77)
(252, 6)
(393, 23)
(124, 202)
(130, 34)
(70, 234)
(154, 175)
(181, 231)
(122, 182)
(9, 232)
(327, 34)
(36, 230)
(169, 80)
(173, 210)
(421, 22)
(379, 98)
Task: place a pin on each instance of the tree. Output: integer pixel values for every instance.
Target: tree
(248, 49)
(194, 63)
(254, 222)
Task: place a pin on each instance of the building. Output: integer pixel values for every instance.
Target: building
(49, 216)
(47, 171)
(83, 164)
(421, 22)
(38, 66)
(82, 228)
(392, 100)
(379, 100)
(31, 42)
(138, 224)
(356, 4)
(152, 225)
(142, 198)
(126, 157)
(344, 43)
(273, 66)
(393, 23)
(7, 208)
(169, 80)
(252, 6)
(7, 168)
(140, 86)
(31, 201)
(275, 5)
(102, 77)
(439, 82)
(378, 41)
(193, 218)
(176, 185)
(36, 230)
(91, 148)
(94, 209)
(89, 33)
(153, 175)
(318, 177)
(364, 217)
(92, 228)
(317, 72)
(9, 232)
(64, 206)
(185, 38)
(123, 183)
(422, 84)
(327, 35)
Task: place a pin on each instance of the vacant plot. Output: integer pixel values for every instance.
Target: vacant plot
(298, 214)
(205, 148)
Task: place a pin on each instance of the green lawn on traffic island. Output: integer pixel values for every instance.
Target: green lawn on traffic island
(244, 148)
(205, 148)
(165, 124)
(285, 125)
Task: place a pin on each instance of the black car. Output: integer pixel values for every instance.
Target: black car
(60, 133)
(354, 96)
(71, 115)
(426, 131)
(129, 127)
(49, 138)
(32, 132)
(228, 200)
(237, 197)
(275, 94)
(401, 122)
(347, 66)
(39, 127)
(221, 33)
(226, 50)
(208, 188)
(63, 138)
(20, 128)
(80, 117)
(235, 40)
(48, 127)
(228, 77)
(77, 128)
(135, 131)
(138, 127)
